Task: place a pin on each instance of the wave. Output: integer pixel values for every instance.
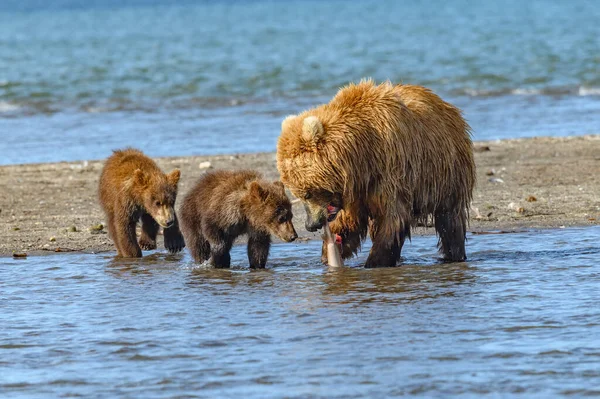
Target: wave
(281, 101)
(8, 107)
(582, 91)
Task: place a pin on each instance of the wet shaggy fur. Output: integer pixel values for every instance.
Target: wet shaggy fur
(224, 205)
(390, 156)
(133, 188)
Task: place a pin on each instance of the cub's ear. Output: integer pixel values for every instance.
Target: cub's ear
(139, 177)
(257, 191)
(286, 121)
(279, 185)
(173, 177)
(312, 129)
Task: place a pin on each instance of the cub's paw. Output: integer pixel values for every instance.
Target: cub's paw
(173, 240)
(147, 244)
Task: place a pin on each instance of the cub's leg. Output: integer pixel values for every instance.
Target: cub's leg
(125, 238)
(112, 230)
(258, 249)
(174, 241)
(149, 231)
(451, 228)
(219, 252)
(197, 243)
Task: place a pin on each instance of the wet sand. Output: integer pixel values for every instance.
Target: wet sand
(522, 184)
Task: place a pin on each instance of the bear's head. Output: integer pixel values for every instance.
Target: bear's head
(158, 192)
(268, 208)
(312, 165)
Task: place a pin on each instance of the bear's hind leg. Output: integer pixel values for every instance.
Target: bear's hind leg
(112, 230)
(174, 241)
(258, 249)
(452, 230)
(149, 231)
(197, 244)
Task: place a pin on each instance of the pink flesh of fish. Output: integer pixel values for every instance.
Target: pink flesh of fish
(334, 259)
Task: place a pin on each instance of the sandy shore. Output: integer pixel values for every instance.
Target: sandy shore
(522, 184)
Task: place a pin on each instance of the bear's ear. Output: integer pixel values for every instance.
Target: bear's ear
(287, 121)
(257, 191)
(312, 129)
(139, 177)
(173, 177)
(279, 186)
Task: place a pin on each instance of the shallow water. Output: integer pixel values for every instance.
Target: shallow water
(520, 318)
(181, 77)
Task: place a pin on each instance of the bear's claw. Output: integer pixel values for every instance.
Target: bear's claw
(147, 244)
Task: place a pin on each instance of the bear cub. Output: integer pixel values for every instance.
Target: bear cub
(224, 205)
(132, 188)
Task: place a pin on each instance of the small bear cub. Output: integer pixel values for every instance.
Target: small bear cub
(226, 204)
(132, 187)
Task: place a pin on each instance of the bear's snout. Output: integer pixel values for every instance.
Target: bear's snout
(315, 217)
(287, 232)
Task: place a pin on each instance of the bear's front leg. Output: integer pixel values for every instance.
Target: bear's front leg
(385, 251)
(383, 255)
(149, 231)
(125, 238)
(258, 249)
(174, 241)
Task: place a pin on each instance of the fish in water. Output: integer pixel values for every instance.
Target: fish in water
(333, 243)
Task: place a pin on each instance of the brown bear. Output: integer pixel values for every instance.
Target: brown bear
(132, 187)
(226, 204)
(380, 159)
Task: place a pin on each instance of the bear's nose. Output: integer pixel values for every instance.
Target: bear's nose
(312, 227)
(293, 237)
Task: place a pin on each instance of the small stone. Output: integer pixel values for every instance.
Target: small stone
(19, 255)
(97, 228)
(16, 228)
(490, 173)
(531, 198)
(205, 165)
(52, 239)
(72, 229)
(495, 180)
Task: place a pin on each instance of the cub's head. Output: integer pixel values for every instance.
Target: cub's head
(268, 208)
(159, 193)
(312, 166)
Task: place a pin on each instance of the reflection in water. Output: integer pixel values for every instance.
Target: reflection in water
(519, 317)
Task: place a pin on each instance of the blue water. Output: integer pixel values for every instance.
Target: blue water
(78, 78)
(520, 318)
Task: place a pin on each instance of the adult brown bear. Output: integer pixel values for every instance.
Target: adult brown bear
(380, 159)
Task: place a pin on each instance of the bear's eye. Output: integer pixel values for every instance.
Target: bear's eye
(157, 203)
(308, 195)
(282, 219)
